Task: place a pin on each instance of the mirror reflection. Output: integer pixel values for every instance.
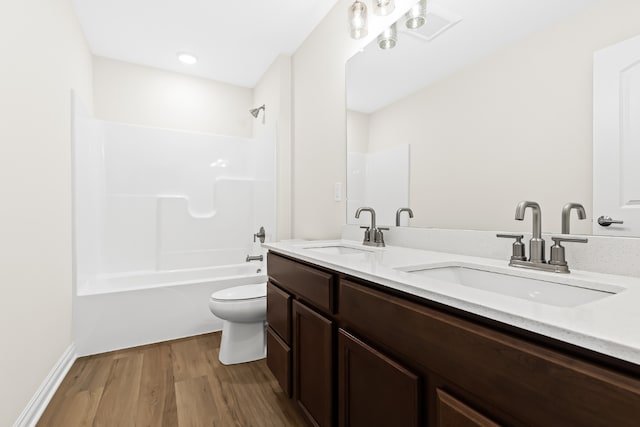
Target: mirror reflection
(495, 100)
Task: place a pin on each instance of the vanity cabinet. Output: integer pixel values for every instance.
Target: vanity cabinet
(299, 315)
(389, 358)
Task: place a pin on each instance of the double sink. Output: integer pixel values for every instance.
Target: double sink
(540, 287)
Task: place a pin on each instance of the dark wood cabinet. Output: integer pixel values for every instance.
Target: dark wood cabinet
(504, 374)
(453, 413)
(313, 364)
(279, 360)
(373, 390)
(311, 285)
(279, 312)
(400, 360)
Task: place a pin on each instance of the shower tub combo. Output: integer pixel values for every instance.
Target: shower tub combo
(162, 219)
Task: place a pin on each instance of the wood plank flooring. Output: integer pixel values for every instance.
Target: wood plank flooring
(176, 383)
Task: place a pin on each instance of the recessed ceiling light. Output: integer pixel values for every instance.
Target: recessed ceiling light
(187, 58)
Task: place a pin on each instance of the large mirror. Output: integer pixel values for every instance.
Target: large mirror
(493, 100)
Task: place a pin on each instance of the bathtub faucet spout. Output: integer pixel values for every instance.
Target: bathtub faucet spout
(254, 258)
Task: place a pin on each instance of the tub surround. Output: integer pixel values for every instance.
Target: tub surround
(607, 326)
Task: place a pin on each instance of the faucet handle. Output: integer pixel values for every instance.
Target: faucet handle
(378, 237)
(517, 247)
(260, 235)
(557, 250)
(367, 234)
(561, 239)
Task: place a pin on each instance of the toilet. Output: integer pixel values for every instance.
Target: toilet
(244, 312)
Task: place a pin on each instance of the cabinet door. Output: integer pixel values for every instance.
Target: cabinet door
(374, 390)
(453, 413)
(312, 364)
(279, 360)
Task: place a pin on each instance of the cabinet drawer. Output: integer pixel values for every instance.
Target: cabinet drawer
(279, 360)
(506, 372)
(279, 312)
(312, 285)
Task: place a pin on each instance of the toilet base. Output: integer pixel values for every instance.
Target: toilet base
(242, 342)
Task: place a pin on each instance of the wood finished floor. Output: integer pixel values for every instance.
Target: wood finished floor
(174, 383)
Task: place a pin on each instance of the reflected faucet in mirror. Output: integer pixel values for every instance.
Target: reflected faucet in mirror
(566, 215)
(399, 211)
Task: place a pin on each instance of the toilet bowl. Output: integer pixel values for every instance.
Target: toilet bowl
(243, 310)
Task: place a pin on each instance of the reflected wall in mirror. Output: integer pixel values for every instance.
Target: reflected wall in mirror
(377, 179)
(495, 99)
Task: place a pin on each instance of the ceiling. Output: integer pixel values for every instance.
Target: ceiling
(235, 41)
(377, 78)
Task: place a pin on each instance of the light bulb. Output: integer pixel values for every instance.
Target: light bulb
(383, 7)
(358, 20)
(388, 38)
(417, 15)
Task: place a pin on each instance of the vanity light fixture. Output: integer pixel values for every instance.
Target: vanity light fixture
(417, 15)
(388, 38)
(383, 7)
(187, 58)
(358, 20)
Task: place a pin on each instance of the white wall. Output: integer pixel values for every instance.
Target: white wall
(274, 90)
(516, 125)
(44, 56)
(147, 96)
(319, 130)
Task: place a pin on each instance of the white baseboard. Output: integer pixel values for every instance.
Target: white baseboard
(38, 403)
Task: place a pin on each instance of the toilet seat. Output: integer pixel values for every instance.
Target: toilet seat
(241, 293)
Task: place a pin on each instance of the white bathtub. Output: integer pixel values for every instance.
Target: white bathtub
(137, 308)
(232, 275)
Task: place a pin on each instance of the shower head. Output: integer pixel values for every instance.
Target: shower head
(255, 111)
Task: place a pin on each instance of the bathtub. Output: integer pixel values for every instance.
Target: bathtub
(118, 311)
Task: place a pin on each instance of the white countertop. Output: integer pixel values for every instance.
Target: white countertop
(610, 325)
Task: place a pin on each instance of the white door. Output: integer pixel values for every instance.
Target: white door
(616, 139)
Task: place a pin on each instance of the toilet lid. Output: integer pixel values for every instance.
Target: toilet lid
(238, 293)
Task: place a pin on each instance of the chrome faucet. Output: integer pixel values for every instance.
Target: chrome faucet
(373, 216)
(536, 244)
(254, 258)
(372, 235)
(399, 211)
(536, 260)
(566, 215)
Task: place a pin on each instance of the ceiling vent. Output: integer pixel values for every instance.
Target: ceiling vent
(438, 21)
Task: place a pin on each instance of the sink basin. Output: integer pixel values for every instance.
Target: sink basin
(337, 250)
(544, 291)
